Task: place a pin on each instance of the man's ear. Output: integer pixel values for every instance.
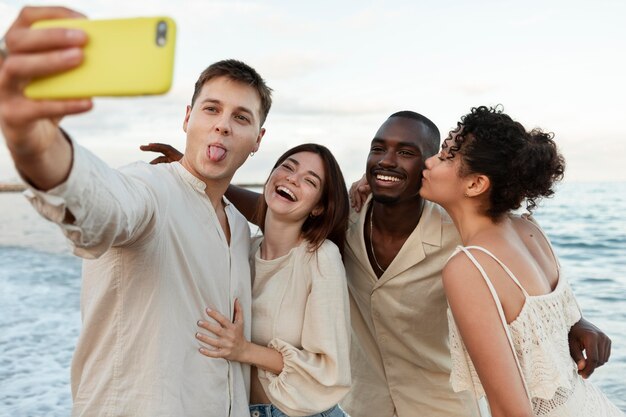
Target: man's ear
(477, 184)
(258, 139)
(186, 121)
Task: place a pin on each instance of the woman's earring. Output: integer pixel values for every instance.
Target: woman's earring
(466, 195)
(251, 153)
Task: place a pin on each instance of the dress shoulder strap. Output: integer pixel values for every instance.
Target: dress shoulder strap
(496, 299)
(506, 269)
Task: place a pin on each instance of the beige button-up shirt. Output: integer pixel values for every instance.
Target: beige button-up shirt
(400, 355)
(156, 256)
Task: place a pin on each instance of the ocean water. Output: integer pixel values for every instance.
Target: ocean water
(40, 290)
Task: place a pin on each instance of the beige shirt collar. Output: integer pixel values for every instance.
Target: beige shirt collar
(412, 252)
(195, 182)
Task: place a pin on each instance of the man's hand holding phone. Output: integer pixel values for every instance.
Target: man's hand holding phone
(30, 127)
(54, 61)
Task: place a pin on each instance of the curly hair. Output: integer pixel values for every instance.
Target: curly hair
(521, 166)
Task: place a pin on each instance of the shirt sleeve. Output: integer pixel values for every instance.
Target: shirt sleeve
(317, 377)
(110, 208)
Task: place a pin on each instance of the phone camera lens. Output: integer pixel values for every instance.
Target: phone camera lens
(161, 33)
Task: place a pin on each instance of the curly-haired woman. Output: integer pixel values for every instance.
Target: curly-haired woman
(510, 306)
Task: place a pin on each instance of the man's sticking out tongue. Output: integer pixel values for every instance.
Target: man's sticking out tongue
(216, 153)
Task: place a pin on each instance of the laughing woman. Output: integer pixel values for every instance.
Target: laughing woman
(511, 308)
(299, 349)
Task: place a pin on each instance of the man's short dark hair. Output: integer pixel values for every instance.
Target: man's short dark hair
(430, 133)
(240, 72)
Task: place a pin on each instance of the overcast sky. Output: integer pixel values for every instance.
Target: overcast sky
(339, 68)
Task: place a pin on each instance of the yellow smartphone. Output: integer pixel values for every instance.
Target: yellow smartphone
(123, 57)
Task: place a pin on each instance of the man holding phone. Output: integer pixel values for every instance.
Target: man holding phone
(160, 242)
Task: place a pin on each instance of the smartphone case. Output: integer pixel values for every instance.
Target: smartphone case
(123, 57)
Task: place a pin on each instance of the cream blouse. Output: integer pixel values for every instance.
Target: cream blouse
(300, 307)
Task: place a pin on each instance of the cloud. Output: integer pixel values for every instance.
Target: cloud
(371, 16)
(477, 88)
(286, 64)
(327, 105)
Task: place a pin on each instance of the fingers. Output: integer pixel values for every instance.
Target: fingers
(216, 329)
(589, 347)
(18, 110)
(211, 353)
(359, 191)
(597, 352)
(215, 352)
(26, 40)
(33, 54)
(19, 70)
(152, 147)
(160, 160)
(576, 351)
(155, 147)
(170, 154)
(592, 360)
(229, 341)
(360, 196)
(604, 348)
(20, 38)
(215, 343)
(606, 352)
(362, 192)
(355, 198)
(28, 15)
(220, 346)
(218, 317)
(238, 314)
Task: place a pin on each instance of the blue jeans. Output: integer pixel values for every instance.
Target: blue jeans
(269, 410)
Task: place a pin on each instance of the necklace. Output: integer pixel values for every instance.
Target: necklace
(419, 217)
(372, 242)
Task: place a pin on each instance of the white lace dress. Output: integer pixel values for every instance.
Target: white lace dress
(539, 337)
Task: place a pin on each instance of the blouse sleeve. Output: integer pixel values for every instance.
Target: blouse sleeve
(317, 377)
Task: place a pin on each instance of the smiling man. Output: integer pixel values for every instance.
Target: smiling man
(160, 242)
(396, 247)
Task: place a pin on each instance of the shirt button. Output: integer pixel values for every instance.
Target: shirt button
(255, 413)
